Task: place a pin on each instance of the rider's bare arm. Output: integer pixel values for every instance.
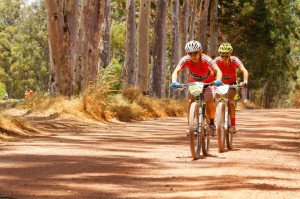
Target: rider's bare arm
(245, 73)
(179, 68)
(215, 67)
(242, 68)
(219, 73)
(175, 73)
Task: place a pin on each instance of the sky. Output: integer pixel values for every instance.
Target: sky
(28, 2)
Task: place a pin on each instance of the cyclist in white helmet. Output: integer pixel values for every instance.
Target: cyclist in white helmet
(202, 69)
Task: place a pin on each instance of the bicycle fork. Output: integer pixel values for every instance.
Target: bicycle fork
(201, 116)
(227, 118)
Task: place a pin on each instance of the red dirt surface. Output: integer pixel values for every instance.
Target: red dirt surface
(151, 159)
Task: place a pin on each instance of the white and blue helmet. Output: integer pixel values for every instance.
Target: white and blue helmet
(193, 46)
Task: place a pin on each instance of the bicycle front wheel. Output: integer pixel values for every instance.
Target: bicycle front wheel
(204, 135)
(220, 123)
(195, 144)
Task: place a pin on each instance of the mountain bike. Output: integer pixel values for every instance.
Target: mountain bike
(223, 118)
(199, 136)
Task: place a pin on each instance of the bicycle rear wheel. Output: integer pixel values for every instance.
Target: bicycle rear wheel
(229, 136)
(195, 144)
(220, 123)
(204, 136)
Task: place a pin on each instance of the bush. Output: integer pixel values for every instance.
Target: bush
(2, 90)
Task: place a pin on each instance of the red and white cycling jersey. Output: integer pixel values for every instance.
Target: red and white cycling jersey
(228, 71)
(201, 71)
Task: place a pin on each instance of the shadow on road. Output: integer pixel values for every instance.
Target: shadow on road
(148, 159)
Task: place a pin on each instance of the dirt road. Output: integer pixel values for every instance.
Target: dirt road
(151, 159)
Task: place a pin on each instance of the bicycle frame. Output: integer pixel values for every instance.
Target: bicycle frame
(224, 100)
(200, 101)
(224, 123)
(197, 128)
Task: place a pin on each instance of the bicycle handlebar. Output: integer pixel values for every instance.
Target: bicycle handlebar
(238, 85)
(205, 84)
(181, 86)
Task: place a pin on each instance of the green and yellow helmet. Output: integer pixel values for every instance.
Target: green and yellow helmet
(225, 48)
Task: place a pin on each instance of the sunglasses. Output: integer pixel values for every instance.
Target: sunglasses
(193, 53)
(224, 56)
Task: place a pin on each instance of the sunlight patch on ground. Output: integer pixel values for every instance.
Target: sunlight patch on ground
(109, 187)
(277, 128)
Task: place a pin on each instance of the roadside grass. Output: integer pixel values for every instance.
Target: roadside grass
(107, 102)
(106, 105)
(246, 104)
(9, 103)
(296, 99)
(15, 128)
(128, 105)
(97, 103)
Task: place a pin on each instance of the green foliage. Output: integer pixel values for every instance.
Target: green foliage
(9, 12)
(263, 35)
(111, 75)
(118, 9)
(2, 90)
(24, 48)
(118, 30)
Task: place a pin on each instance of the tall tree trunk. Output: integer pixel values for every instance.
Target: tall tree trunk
(175, 36)
(265, 95)
(104, 44)
(244, 93)
(143, 47)
(214, 30)
(62, 30)
(185, 33)
(91, 19)
(184, 27)
(129, 66)
(193, 5)
(159, 53)
(203, 22)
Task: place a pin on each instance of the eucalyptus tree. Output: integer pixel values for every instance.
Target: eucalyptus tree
(105, 40)
(185, 18)
(187, 32)
(213, 29)
(159, 50)
(193, 14)
(142, 78)
(62, 31)
(91, 19)
(204, 5)
(175, 47)
(129, 65)
(29, 68)
(10, 12)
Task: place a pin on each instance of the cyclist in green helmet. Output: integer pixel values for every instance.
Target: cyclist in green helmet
(228, 65)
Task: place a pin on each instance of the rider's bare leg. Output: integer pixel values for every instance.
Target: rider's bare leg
(210, 111)
(210, 106)
(231, 95)
(190, 100)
